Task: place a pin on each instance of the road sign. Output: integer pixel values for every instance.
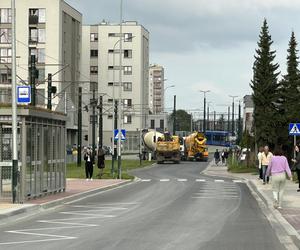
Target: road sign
(294, 129)
(123, 134)
(23, 94)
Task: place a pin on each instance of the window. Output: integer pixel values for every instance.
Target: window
(94, 37)
(94, 53)
(39, 55)
(127, 102)
(94, 70)
(110, 84)
(128, 37)
(110, 67)
(41, 35)
(110, 51)
(110, 100)
(111, 34)
(40, 96)
(127, 86)
(33, 35)
(5, 35)
(5, 76)
(161, 124)
(110, 116)
(127, 53)
(5, 15)
(152, 124)
(37, 16)
(127, 70)
(5, 55)
(41, 77)
(127, 119)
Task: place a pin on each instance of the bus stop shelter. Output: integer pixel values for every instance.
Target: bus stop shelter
(41, 153)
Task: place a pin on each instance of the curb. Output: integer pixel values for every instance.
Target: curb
(36, 208)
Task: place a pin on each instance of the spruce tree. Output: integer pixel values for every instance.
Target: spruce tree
(289, 94)
(265, 89)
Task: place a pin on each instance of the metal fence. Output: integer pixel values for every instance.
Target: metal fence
(41, 154)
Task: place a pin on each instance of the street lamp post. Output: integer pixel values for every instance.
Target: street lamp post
(204, 112)
(171, 86)
(232, 124)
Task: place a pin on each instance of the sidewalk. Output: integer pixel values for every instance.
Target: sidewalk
(291, 204)
(76, 189)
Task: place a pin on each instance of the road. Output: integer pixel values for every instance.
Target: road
(172, 207)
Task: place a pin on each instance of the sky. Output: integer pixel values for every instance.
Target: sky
(203, 44)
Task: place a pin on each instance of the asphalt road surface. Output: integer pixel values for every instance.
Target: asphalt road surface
(173, 206)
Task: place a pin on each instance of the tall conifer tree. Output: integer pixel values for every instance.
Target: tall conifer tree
(265, 89)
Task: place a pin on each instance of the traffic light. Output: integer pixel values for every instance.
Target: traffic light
(86, 137)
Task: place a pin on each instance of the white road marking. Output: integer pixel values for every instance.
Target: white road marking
(219, 180)
(145, 180)
(215, 197)
(164, 180)
(238, 181)
(181, 180)
(88, 215)
(200, 180)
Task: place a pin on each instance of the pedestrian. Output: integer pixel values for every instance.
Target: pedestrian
(259, 160)
(217, 157)
(278, 168)
(223, 157)
(89, 161)
(265, 160)
(101, 161)
(297, 165)
(226, 154)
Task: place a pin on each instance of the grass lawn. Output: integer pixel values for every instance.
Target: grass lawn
(73, 171)
(236, 167)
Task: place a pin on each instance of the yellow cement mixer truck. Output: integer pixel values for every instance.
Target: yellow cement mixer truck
(195, 147)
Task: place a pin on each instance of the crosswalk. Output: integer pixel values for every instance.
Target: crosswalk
(192, 180)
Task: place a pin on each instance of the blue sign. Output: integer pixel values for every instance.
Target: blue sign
(294, 129)
(23, 94)
(123, 134)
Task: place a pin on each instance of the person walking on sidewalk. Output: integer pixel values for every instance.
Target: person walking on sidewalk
(259, 159)
(278, 168)
(297, 165)
(265, 160)
(217, 157)
(89, 161)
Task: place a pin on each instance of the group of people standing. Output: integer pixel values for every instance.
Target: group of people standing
(276, 165)
(89, 158)
(221, 156)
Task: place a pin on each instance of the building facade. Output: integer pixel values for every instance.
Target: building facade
(156, 89)
(248, 113)
(51, 31)
(100, 64)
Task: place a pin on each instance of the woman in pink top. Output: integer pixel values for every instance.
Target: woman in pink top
(278, 168)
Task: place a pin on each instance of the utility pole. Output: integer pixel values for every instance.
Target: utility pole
(120, 93)
(174, 116)
(233, 121)
(204, 113)
(240, 124)
(79, 133)
(49, 103)
(228, 124)
(101, 122)
(94, 119)
(15, 166)
(208, 126)
(214, 120)
(33, 73)
(114, 156)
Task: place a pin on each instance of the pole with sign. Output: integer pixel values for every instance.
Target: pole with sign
(294, 129)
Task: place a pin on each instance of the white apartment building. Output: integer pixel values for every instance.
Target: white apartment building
(100, 64)
(156, 89)
(50, 30)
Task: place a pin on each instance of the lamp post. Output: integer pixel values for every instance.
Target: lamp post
(170, 86)
(204, 112)
(232, 124)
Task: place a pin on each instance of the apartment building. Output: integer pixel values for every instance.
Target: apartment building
(100, 64)
(156, 89)
(50, 30)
